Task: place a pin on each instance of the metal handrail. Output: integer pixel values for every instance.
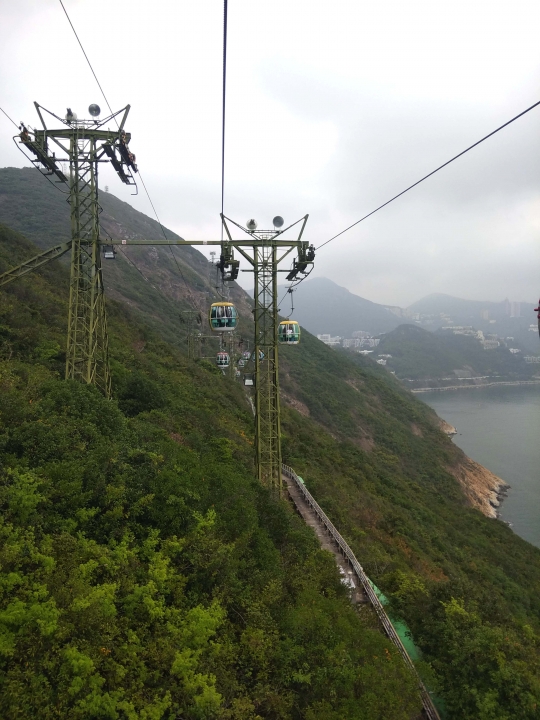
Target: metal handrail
(385, 621)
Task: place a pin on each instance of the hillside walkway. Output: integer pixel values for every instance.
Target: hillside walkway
(354, 575)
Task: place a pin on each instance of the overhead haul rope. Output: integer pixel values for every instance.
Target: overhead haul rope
(139, 173)
(223, 98)
(430, 174)
(86, 56)
(13, 121)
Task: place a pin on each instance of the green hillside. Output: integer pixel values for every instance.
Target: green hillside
(146, 278)
(285, 642)
(144, 572)
(418, 354)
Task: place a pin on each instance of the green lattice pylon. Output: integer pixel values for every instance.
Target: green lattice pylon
(87, 357)
(268, 250)
(86, 143)
(267, 410)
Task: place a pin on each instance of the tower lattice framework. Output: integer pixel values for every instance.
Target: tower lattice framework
(87, 340)
(267, 410)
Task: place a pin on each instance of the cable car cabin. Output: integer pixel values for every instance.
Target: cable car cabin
(222, 359)
(223, 317)
(241, 362)
(249, 380)
(246, 354)
(289, 332)
(109, 253)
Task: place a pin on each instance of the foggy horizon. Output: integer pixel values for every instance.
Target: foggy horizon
(328, 113)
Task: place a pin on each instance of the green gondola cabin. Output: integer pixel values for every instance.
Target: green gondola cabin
(289, 332)
(223, 317)
(222, 359)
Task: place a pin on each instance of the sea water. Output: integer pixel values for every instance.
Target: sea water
(499, 427)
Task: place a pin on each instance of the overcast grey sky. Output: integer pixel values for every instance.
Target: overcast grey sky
(332, 109)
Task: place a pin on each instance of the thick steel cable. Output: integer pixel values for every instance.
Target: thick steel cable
(223, 98)
(86, 56)
(430, 174)
(5, 113)
(140, 175)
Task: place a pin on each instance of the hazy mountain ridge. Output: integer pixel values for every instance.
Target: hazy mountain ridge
(322, 306)
(432, 357)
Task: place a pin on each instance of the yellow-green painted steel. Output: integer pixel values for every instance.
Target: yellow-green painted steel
(87, 355)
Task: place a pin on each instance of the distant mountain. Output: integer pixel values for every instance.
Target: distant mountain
(438, 303)
(322, 306)
(431, 357)
(506, 318)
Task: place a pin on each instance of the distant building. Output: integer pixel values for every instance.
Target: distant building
(490, 344)
(400, 312)
(352, 342)
(361, 334)
(460, 329)
(514, 351)
(382, 361)
(385, 355)
(484, 314)
(363, 342)
(327, 339)
(364, 352)
(515, 309)
(532, 358)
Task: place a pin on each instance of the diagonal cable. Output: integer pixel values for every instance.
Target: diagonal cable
(5, 113)
(430, 174)
(86, 56)
(140, 175)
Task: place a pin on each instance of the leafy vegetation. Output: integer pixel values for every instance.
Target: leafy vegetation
(466, 585)
(144, 573)
(169, 461)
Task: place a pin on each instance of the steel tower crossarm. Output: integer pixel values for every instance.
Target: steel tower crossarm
(34, 263)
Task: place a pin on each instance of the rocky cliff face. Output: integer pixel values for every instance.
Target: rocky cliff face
(482, 488)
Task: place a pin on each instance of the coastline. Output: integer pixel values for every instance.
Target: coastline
(483, 489)
(474, 387)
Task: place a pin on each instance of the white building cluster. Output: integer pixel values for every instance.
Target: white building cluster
(358, 342)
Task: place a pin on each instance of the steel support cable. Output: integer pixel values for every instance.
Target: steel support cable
(86, 56)
(223, 98)
(166, 238)
(5, 113)
(295, 285)
(140, 175)
(430, 174)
